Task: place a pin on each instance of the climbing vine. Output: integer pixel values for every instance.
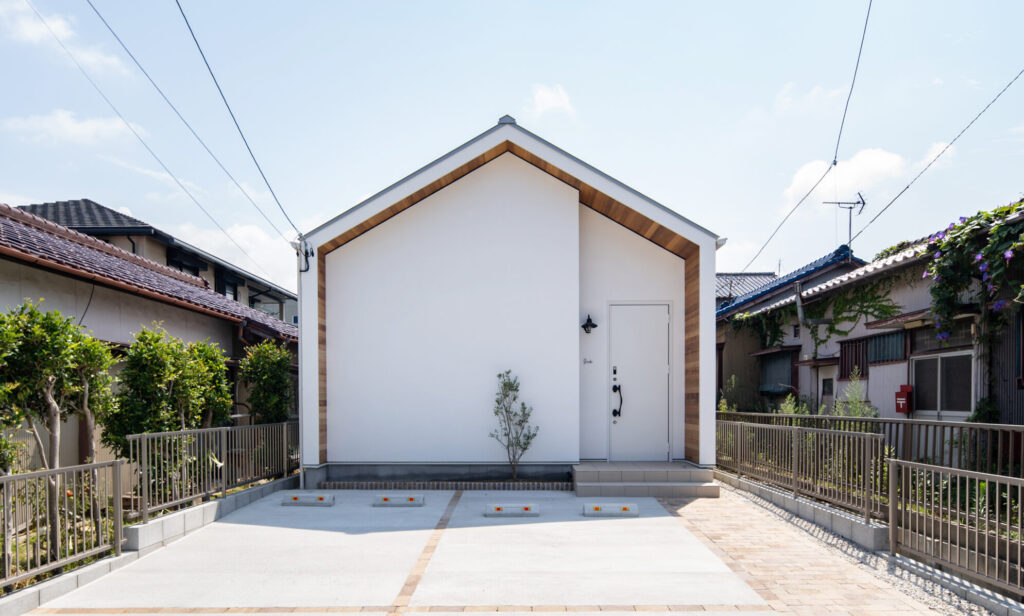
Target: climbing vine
(971, 264)
(765, 325)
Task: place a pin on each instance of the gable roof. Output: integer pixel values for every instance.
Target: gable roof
(734, 284)
(599, 191)
(36, 241)
(839, 255)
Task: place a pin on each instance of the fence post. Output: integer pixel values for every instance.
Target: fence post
(144, 477)
(893, 482)
(6, 571)
(869, 445)
(226, 467)
(118, 508)
(796, 460)
(739, 449)
(284, 449)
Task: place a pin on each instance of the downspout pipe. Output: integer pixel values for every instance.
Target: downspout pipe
(800, 310)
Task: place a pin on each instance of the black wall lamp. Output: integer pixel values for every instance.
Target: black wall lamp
(589, 325)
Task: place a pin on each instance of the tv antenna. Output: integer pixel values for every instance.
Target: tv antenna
(849, 206)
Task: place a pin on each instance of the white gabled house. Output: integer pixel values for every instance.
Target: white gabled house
(491, 258)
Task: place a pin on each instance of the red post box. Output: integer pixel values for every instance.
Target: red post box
(903, 399)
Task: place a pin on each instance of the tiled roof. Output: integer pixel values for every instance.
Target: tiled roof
(85, 214)
(29, 238)
(733, 284)
(843, 253)
(906, 257)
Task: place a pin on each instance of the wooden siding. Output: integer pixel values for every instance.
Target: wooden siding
(590, 197)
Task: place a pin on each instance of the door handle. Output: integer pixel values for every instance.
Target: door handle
(617, 389)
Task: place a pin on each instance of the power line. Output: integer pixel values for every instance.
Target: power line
(137, 135)
(860, 50)
(234, 119)
(790, 213)
(941, 152)
(184, 121)
(839, 137)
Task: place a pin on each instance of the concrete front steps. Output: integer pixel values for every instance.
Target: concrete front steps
(660, 479)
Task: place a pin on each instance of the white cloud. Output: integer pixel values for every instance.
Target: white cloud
(160, 176)
(271, 257)
(937, 81)
(788, 99)
(549, 98)
(863, 171)
(16, 199)
(62, 126)
(933, 151)
(20, 23)
(124, 210)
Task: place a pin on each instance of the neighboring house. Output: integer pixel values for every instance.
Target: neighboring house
(491, 258)
(730, 285)
(114, 293)
(948, 375)
(143, 239)
(756, 374)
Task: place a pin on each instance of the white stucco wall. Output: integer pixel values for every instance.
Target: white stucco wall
(114, 316)
(424, 311)
(617, 265)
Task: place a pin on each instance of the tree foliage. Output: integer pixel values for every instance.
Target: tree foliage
(514, 431)
(266, 370)
(168, 385)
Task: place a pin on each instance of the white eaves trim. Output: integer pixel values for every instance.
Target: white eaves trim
(509, 131)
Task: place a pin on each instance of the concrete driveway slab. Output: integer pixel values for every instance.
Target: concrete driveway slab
(563, 558)
(267, 555)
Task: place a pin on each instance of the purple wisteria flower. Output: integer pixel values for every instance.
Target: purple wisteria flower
(941, 235)
(999, 305)
(1008, 254)
(978, 257)
(983, 267)
(963, 219)
(950, 227)
(984, 277)
(942, 336)
(938, 255)
(925, 275)
(937, 278)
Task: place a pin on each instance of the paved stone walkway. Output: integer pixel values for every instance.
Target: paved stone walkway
(794, 572)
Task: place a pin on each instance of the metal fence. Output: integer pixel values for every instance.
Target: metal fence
(965, 521)
(175, 468)
(54, 518)
(979, 447)
(846, 469)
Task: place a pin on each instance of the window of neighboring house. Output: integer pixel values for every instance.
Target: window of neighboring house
(887, 347)
(777, 373)
(230, 290)
(923, 339)
(943, 383)
(796, 330)
(853, 354)
(181, 267)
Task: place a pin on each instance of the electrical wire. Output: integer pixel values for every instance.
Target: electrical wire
(234, 119)
(138, 136)
(941, 152)
(788, 214)
(839, 137)
(849, 95)
(184, 121)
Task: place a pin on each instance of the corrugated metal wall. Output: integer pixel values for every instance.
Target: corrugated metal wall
(1005, 369)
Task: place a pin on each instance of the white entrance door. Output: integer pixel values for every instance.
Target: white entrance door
(639, 382)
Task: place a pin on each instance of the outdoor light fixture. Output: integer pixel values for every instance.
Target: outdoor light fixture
(589, 325)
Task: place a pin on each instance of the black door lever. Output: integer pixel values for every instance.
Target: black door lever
(617, 389)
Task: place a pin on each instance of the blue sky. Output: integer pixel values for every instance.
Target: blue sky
(726, 112)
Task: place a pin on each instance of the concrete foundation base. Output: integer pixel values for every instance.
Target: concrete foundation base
(434, 472)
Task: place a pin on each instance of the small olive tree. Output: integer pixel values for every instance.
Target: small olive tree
(514, 431)
(266, 370)
(853, 402)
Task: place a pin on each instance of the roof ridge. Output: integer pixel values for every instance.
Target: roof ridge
(91, 242)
